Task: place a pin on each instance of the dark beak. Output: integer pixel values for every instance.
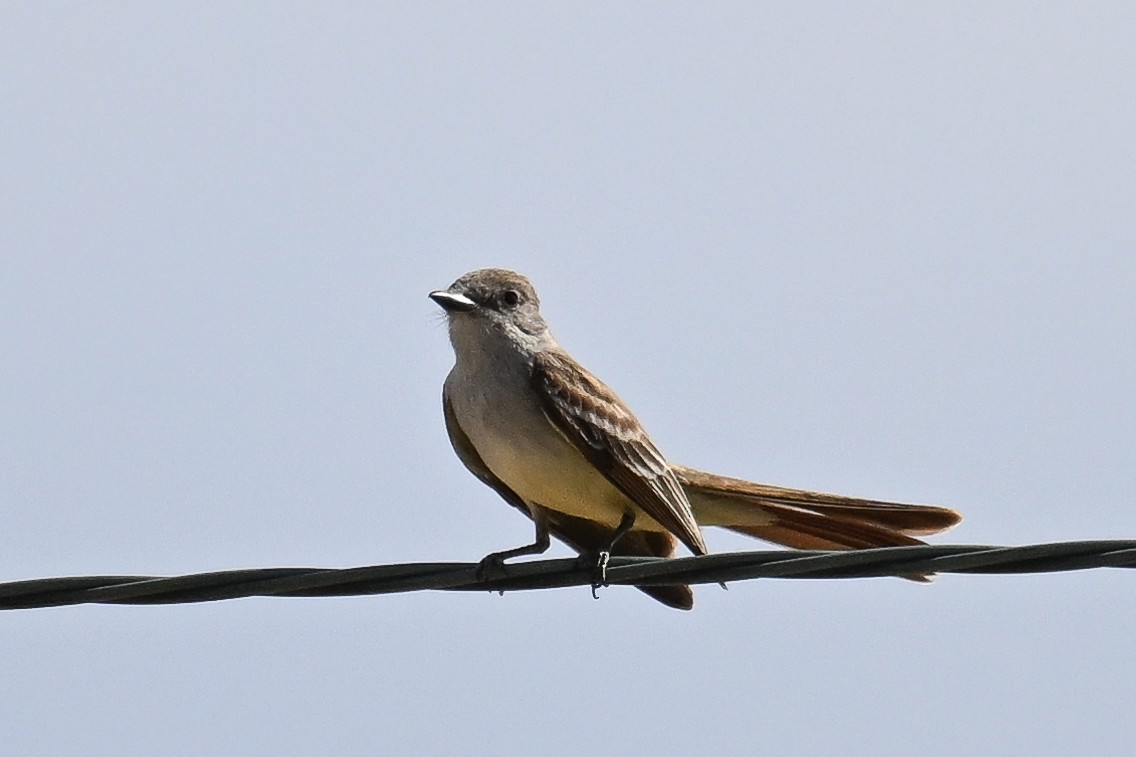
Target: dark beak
(452, 303)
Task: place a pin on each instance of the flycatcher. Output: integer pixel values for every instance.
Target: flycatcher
(557, 444)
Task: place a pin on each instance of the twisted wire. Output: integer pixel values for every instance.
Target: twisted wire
(545, 574)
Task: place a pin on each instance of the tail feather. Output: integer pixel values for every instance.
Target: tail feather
(679, 596)
(791, 517)
(808, 520)
(800, 529)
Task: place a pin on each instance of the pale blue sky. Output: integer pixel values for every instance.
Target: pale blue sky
(884, 249)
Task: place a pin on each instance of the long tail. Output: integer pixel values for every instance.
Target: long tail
(808, 520)
(791, 517)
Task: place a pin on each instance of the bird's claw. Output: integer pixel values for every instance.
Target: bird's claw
(602, 560)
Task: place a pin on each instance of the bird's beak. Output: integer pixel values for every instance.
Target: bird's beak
(452, 303)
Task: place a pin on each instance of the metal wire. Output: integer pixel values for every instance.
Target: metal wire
(544, 574)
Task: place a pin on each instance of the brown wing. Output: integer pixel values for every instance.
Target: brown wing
(604, 430)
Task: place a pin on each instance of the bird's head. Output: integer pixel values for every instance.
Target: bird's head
(493, 302)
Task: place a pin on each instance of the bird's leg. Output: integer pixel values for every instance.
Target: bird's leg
(625, 524)
(496, 560)
(599, 560)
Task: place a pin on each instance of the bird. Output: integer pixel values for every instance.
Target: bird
(559, 445)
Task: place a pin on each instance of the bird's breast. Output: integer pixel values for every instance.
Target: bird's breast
(499, 410)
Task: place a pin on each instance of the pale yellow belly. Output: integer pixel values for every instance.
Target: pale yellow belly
(522, 448)
(558, 477)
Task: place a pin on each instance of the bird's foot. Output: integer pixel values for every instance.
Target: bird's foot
(597, 563)
(491, 566)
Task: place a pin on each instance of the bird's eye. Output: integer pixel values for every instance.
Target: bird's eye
(510, 298)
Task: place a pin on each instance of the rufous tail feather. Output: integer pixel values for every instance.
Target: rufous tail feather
(808, 520)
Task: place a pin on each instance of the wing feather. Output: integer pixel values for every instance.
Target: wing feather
(605, 431)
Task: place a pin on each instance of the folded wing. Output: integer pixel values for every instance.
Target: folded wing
(604, 430)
